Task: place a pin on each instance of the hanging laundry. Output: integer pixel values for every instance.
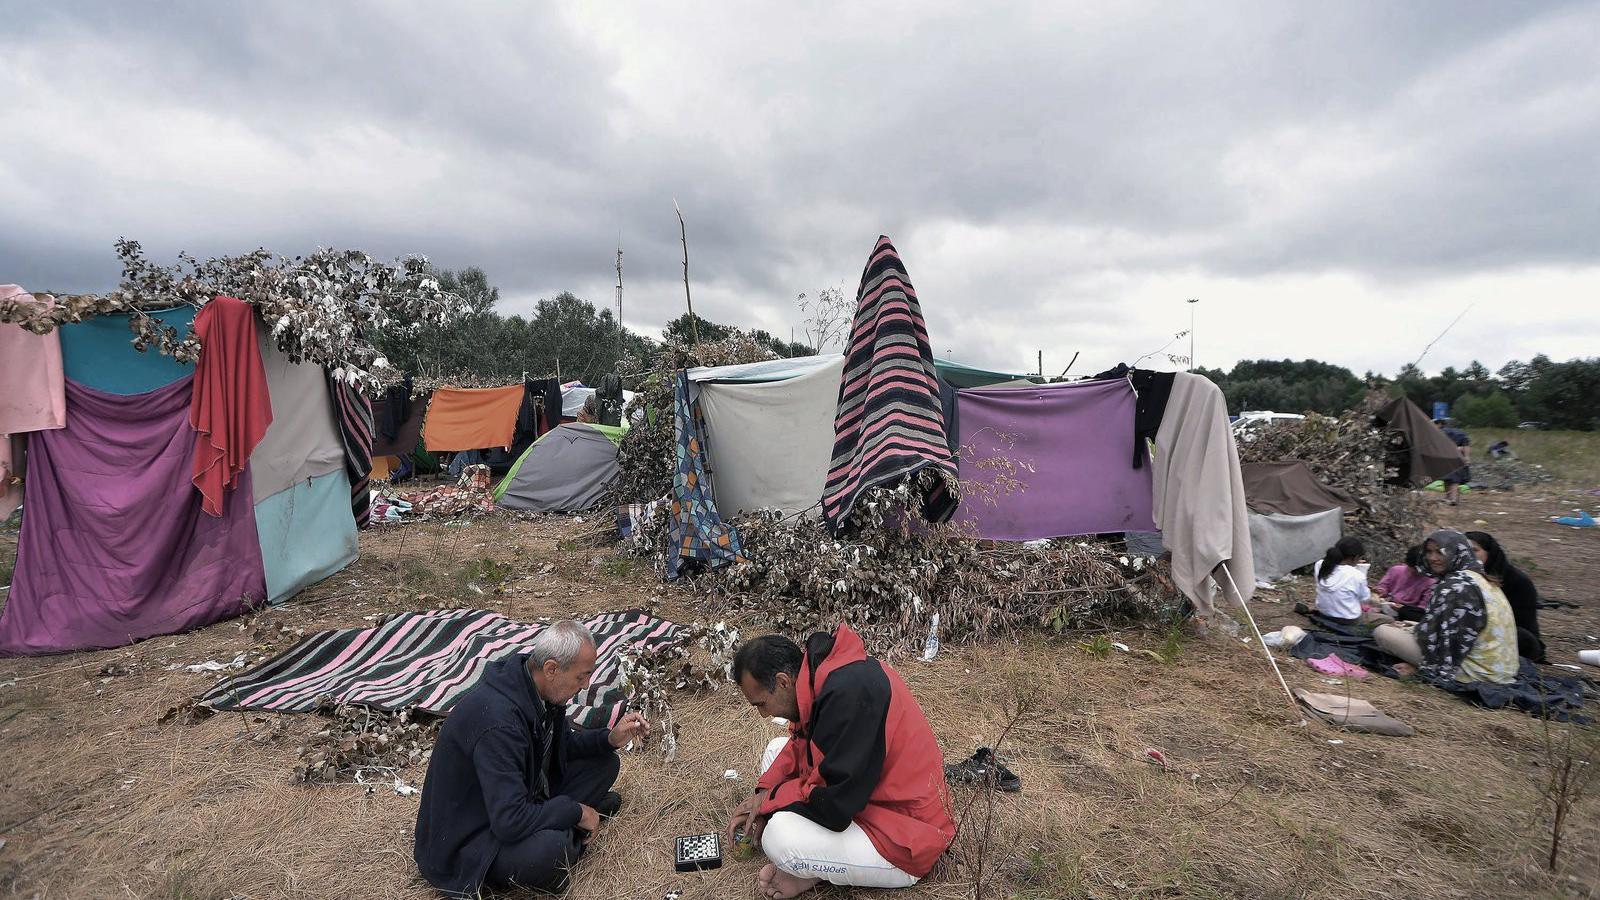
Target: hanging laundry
(355, 432)
(472, 418)
(231, 408)
(1199, 499)
(1050, 461)
(888, 425)
(695, 531)
(33, 397)
(115, 546)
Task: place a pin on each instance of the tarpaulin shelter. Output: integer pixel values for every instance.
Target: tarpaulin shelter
(1419, 451)
(566, 470)
(115, 546)
(769, 440)
(1294, 517)
(964, 376)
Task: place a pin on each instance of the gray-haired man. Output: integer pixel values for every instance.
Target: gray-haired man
(513, 794)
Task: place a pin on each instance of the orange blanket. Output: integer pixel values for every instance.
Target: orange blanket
(472, 418)
(230, 408)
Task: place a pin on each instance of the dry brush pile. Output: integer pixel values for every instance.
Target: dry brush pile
(1351, 455)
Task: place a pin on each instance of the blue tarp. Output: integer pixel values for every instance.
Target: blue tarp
(307, 534)
(99, 353)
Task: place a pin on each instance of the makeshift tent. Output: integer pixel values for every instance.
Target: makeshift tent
(302, 491)
(1046, 462)
(565, 470)
(1294, 517)
(1419, 451)
(767, 370)
(963, 376)
(769, 441)
(1290, 487)
(115, 546)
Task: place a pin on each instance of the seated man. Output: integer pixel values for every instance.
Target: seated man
(513, 794)
(856, 793)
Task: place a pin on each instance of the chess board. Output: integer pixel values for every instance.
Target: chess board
(694, 852)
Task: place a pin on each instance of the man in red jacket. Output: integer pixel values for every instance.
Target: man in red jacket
(855, 795)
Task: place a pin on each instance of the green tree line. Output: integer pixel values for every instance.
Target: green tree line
(563, 335)
(1563, 395)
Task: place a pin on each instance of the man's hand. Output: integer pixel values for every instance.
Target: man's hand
(588, 823)
(746, 816)
(633, 726)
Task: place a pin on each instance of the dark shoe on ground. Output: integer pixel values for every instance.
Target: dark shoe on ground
(1303, 609)
(609, 804)
(981, 766)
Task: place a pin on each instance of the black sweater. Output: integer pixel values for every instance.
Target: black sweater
(484, 788)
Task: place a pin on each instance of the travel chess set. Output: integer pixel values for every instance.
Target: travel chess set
(696, 852)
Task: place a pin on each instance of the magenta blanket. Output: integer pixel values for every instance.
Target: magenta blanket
(1074, 437)
(114, 547)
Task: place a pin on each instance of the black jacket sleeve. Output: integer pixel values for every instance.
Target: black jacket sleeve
(848, 722)
(587, 742)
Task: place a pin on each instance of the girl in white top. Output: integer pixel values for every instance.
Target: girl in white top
(1342, 581)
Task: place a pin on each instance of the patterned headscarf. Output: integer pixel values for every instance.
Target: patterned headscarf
(1457, 550)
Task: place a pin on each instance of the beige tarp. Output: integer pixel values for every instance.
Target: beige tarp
(769, 443)
(303, 440)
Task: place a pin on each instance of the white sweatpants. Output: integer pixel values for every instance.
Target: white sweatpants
(805, 849)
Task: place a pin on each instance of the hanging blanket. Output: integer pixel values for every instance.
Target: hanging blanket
(695, 531)
(428, 660)
(354, 413)
(232, 407)
(1050, 461)
(888, 424)
(114, 546)
(472, 418)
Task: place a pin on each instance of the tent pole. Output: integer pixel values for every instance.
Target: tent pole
(1238, 597)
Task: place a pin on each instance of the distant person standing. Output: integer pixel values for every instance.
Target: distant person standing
(1454, 481)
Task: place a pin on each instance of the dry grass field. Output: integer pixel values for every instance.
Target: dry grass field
(101, 798)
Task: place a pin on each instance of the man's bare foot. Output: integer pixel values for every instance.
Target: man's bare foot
(780, 885)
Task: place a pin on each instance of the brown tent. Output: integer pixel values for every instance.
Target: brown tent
(1290, 488)
(1418, 449)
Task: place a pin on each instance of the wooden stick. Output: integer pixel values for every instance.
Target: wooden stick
(683, 236)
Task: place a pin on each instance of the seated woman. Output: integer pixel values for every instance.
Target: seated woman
(1519, 590)
(1342, 591)
(1407, 587)
(1468, 632)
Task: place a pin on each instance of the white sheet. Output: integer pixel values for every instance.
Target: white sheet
(770, 442)
(1282, 543)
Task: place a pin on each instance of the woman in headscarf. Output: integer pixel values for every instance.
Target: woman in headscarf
(1468, 632)
(1519, 590)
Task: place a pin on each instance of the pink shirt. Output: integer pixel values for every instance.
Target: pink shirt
(1404, 586)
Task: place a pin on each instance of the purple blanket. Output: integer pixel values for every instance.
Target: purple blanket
(114, 547)
(1075, 439)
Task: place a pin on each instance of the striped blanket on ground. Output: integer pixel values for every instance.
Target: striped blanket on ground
(428, 660)
(696, 533)
(889, 424)
(355, 428)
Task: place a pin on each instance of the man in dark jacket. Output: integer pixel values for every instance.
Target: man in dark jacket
(513, 794)
(856, 793)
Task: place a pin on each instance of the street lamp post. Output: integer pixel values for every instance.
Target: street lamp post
(1191, 301)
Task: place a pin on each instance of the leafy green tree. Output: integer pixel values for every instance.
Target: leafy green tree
(1486, 411)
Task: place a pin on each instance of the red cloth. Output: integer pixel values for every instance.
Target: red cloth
(230, 409)
(907, 815)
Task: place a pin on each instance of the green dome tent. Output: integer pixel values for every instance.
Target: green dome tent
(567, 469)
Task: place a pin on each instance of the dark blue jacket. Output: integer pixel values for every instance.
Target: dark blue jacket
(484, 789)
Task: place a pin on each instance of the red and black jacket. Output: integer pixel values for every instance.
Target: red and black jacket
(862, 752)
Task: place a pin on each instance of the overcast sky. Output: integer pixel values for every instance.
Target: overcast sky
(1336, 181)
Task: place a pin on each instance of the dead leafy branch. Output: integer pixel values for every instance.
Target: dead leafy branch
(1350, 455)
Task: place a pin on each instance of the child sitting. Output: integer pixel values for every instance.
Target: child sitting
(1341, 580)
(1407, 586)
